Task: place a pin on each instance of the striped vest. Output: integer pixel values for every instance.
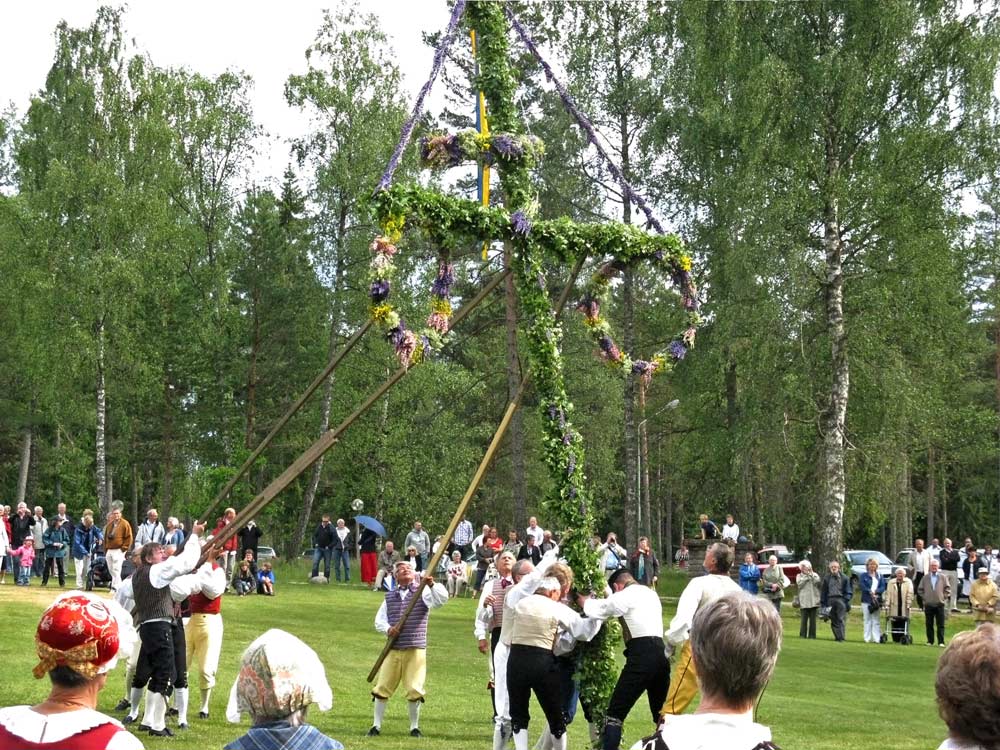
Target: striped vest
(414, 633)
(150, 603)
(499, 593)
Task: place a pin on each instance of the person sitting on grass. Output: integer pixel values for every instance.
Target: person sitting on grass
(279, 678)
(971, 659)
(265, 580)
(458, 577)
(735, 641)
(26, 554)
(77, 641)
(245, 581)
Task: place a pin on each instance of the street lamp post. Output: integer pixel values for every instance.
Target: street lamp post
(641, 449)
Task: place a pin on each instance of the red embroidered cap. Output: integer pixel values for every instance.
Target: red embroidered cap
(77, 631)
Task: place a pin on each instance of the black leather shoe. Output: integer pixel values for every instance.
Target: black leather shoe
(171, 712)
(144, 728)
(203, 714)
(165, 732)
(128, 720)
(123, 705)
(374, 732)
(182, 726)
(415, 732)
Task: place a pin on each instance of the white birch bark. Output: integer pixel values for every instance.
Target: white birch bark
(22, 476)
(100, 450)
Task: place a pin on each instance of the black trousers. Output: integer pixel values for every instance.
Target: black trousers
(807, 626)
(60, 566)
(494, 640)
(180, 653)
(917, 578)
(157, 664)
(838, 616)
(934, 615)
(531, 669)
(647, 670)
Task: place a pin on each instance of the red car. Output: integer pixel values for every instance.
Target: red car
(787, 560)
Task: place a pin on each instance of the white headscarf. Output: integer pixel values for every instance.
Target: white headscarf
(279, 675)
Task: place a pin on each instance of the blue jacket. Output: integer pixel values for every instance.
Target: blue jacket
(749, 575)
(53, 537)
(83, 540)
(866, 586)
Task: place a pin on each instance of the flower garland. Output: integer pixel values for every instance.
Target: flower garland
(410, 347)
(444, 150)
(596, 296)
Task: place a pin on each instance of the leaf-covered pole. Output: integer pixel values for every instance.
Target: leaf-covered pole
(562, 445)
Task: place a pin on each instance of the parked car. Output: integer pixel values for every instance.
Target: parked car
(266, 553)
(905, 558)
(787, 560)
(855, 559)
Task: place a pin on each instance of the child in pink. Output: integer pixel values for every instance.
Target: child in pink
(27, 554)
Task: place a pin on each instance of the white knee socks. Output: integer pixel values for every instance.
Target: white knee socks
(380, 705)
(134, 699)
(414, 707)
(156, 711)
(181, 704)
(557, 743)
(499, 737)
(543, 739)
(521, 740)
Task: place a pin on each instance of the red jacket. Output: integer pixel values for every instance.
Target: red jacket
(231, 543)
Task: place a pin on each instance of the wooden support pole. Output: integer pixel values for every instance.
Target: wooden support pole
(330, 437)
(477, 479)
(462, 506)
(280, 424)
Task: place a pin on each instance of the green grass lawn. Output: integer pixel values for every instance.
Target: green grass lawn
(823, 695)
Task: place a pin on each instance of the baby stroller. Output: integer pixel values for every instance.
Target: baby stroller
(897, 628)
(99, 573)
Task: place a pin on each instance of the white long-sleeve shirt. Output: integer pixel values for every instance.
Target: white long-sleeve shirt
(162, 573)
(731, 532)
(921, 562)
(434, 596)
(639, 606)
(698, 592)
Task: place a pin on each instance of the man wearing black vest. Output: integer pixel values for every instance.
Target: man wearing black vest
(647, 669)
(154, 614)
(406, 663)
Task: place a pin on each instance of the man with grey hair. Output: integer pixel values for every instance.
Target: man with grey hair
(735, 641)
(699, 592)
(150, 530)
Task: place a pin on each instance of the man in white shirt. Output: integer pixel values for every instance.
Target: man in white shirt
(935, 549)
(921, 566)
(699, 592)
(536, 531)
(406, 663)
(647, 669)
(154, 614)
(731, 530)
(735, 642)
(150, 530)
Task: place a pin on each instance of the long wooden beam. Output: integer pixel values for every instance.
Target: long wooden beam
(477, 479)
(330, 437)
(280, 424)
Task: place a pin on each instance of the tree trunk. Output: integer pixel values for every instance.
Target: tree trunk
(22, 475)
(830, 526)
(667, 502)
(134, 510)
(167, 475)
(944, 503)
(57, 481)
(631, 499)
(336, 318)
(931, 492)
(516, 429)
(100, 448)
(382, 468)
(646, 527)
(250, 441)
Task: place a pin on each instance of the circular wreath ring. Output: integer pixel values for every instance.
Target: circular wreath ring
(410, 346)
(596, 296)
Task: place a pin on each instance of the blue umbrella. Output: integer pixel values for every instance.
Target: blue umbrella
(370, 523)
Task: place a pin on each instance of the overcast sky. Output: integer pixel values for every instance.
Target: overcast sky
(265, 39)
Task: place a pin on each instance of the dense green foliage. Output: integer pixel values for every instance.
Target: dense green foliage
(139, 261)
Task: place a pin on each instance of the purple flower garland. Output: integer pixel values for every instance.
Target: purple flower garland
(418, 107)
